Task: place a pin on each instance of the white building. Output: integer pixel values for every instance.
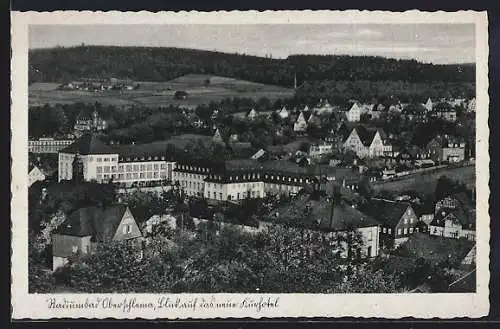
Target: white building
(48, 145)
(354, 113)
(283, 113)
(103, 163)
(35, 175)
(318, 150)
(428, 105)
(300, 124)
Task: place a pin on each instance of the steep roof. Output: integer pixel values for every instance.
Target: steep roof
(385, 211)
(365, 134)
(100, 223)
(88, 144)
(343, 217)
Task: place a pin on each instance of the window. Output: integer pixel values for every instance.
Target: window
(120, 168)
(128, 175)
(129, 167)
(74, 249)
(220, 196)
(106, 168)
(384, 230)
(99, 159)
(136, 167)
(127, 228)
(99, 169)
(113, 168)
(389, 231)
(150, 166)
(143, 167)
(106, 159)
(411, 219)
(99, 176)
(405, 231)
(399, 231)
(215, 195)
(411, 229)
(149, 174)
(406, 220)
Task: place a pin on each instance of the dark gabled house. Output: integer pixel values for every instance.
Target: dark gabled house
(397, 219)
(86, 227)
(454, 223)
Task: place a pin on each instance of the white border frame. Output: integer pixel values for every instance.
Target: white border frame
(35, 306)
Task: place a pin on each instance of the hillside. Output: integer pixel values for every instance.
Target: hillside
(163, 64)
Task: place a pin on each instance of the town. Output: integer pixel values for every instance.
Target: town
(231, 195)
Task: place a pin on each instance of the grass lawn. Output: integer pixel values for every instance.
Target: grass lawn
(155, 94)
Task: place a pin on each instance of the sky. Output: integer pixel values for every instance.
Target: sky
(430, 43)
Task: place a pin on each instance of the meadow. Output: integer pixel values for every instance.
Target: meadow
(201, 89)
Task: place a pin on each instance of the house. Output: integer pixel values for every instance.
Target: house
(367, 142)
(446, 148)
(324, 107)
(454, 201)
(398, 220)
(35, 175)
(300, 124)
(471, 105)
(454, 223)
(252, 115)
(319, 150)
(314, 121)
(333, 217)
(447, 114)
(428, 105)
(86, 227)
(217, 138)
(85, 123)
(283, 113)
(354, 113)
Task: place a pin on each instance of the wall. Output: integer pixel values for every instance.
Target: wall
(224, 190)
(128, 221)
(193, 184)
(143, 171)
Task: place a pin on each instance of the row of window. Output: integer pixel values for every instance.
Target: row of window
(130, 168)
(400, 231)
(237, 196)
(148, 175)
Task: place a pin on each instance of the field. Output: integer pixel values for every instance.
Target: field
(426, 182)
(201, 89)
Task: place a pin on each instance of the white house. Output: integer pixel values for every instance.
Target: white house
(35, 175)
(300, 124)
(283, 113)
(354, 113)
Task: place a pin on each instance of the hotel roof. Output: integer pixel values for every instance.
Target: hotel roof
(89, 144)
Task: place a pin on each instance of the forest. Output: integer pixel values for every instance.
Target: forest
(163, 64)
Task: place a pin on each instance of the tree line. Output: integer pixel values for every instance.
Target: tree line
(162, 64)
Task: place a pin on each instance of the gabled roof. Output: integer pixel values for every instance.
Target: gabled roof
(459, 216)
(385, 211)
(88, 144)
(366, 135)
(100, 223)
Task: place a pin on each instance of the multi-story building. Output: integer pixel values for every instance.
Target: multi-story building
(103, 163)
(354, 113)
(454, 223)
(367, 142)
(190, 175)
(446, 149)
(283, 177)
(86, 123)
(318, 150)
(300, 124)
(48, 145)
(398, 220)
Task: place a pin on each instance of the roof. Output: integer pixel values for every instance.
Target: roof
(459, 216)
(100, 223)
(88, 144)
(285, 167)
(386, 211)
(343, 217)
(366, 135)
(444, 140)
(258, 154)
(242, 164)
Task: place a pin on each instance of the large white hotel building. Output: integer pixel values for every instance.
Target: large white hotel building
(147, 165)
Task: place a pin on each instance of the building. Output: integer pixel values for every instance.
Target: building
(190, 175)
(48, 145)
(367, 142)
(35, 174)
(446, 114)
(336, 220)
(283, 113)
(454, 223)
(454, 201)
(283, 177)
(85, 123)
(428, 105)
(252, 115)
(127, 164)
(446, 148)
(323, 107)
(86, 227)
(397, 219)
(319, 150)
(471, 105)
(354, 113)
(300, 125)
(234, 180)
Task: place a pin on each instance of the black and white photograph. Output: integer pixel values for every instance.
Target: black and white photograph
(261, 159)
